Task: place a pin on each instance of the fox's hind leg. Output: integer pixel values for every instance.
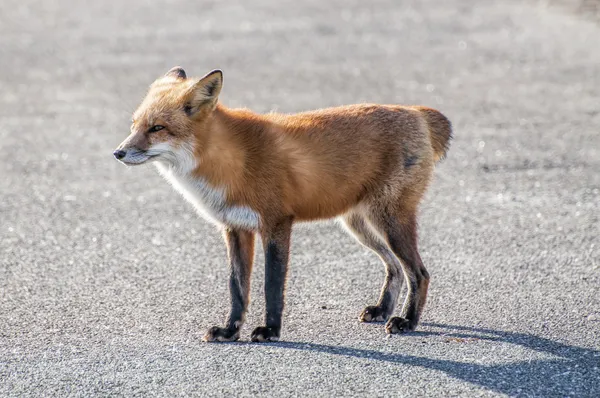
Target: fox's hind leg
(398, 225)
(359, 228)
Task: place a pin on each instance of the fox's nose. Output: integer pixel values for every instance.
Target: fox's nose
(119, 154)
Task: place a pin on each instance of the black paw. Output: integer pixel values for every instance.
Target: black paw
(399, 325)
(263, 334)
(221, 334)
(373, 313)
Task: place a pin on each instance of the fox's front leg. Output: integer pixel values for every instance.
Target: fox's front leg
(240, 249)
(277, 252)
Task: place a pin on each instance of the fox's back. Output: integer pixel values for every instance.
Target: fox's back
(358, 121)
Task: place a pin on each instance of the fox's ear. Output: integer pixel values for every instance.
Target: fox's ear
(205, 91)
(176, 72)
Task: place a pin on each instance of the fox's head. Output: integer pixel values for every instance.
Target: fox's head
(169, 116)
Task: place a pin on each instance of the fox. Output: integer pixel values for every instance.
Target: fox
(255, 175)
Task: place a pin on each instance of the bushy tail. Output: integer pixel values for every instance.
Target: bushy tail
(440, 131)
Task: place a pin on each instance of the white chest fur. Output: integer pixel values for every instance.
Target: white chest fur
(209, 201)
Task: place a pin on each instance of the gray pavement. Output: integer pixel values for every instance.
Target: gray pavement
(108, 280)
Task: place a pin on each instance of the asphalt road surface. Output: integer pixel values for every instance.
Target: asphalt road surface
(108, 280)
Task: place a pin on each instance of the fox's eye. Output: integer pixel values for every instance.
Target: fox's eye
(156, 128)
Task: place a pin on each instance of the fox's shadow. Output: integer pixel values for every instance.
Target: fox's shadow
(573, 371)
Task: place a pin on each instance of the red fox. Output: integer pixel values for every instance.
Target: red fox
(254, 174)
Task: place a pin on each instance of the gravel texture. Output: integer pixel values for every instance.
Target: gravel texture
(108, 280)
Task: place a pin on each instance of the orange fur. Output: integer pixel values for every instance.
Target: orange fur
(318, 164)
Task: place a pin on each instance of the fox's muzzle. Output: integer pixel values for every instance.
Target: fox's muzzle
(133, 150)
(133, 156)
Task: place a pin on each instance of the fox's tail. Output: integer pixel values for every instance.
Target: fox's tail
(440, 131)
